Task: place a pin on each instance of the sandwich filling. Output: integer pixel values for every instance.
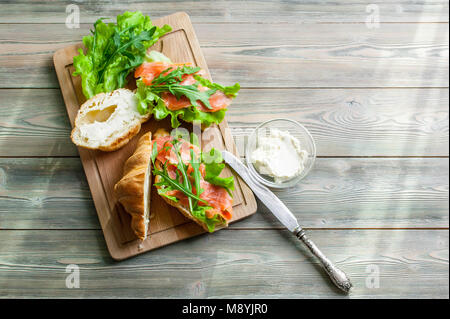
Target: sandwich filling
(191, 178)
(181, 91)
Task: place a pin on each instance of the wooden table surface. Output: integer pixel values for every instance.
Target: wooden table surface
(375, 98)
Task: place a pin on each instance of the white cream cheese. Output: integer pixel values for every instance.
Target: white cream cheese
(109, 117)
(279, 155)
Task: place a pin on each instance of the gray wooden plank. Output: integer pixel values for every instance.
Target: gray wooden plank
(367, 193)
(260, 11)
(352, 122)
(265, 55)
(230, 263)
(43, 193)
(34, 123)
(343, 122)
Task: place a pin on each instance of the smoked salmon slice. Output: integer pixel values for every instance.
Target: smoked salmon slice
(167, 154)
(149, 71)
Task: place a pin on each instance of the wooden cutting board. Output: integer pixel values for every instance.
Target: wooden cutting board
(104, 169)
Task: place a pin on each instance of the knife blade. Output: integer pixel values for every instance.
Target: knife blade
(285, 216)
(272, 202)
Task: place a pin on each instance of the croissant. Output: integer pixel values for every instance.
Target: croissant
(133, 189)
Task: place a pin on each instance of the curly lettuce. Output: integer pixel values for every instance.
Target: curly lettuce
(114, 50)
(214, 165)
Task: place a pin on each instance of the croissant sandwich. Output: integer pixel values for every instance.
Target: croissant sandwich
(190, 181)
(133, 190)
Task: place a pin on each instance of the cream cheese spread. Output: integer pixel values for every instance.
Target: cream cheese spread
(110, 117)
(279, 155)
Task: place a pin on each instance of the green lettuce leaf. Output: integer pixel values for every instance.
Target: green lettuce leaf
(163, 192)
(151, 102)
(214, 165)
(231, 91)
(114, 50)
(199, 212)
(154, 56)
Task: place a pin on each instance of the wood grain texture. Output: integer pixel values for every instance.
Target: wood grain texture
(231, 11)
(344, 122)
(277, 50)
(37, 121)
(45, 193)
(275, 55)
(353, 122)
(411, 264)
(338, 193)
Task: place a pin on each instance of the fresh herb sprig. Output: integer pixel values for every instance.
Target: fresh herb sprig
(185, 186)
(175, 184)
(195, 164)
(172, 76)
(170, 82)
(182, 169)
(121, 45)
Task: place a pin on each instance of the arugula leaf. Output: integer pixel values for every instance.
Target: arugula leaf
(189, 91)
(174, 76)
(231, 91)
(113, 51)
(196, 174)
(182, 169)
(174, 184)
(121, 48)
(170, 82)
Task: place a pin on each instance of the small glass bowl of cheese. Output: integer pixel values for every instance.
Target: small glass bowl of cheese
(280, 152)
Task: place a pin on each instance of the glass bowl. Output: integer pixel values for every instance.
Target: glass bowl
(296, 130)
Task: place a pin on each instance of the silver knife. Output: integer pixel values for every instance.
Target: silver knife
(284, 215)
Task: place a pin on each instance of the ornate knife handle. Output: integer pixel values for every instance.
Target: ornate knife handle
(338, 277)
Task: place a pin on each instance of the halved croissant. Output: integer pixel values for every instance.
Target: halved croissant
(133, 190)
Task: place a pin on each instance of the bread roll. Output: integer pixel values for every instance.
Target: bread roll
(108, 121)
